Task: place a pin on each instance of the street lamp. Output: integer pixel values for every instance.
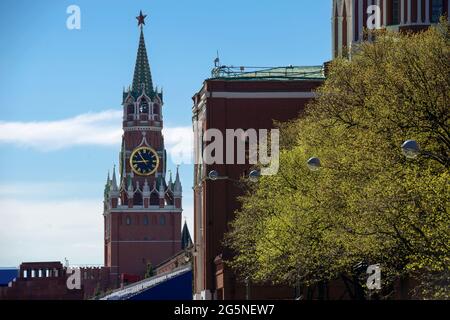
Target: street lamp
(410, 149)
(213, 175)
(254, 176)
(313, 163)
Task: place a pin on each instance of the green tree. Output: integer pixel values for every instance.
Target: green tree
(368, 202)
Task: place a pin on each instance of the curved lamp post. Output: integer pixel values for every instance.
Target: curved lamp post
(253, 176)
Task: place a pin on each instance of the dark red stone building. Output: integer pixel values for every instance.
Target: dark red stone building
(142, 208)
(237, 100)
(48, 281)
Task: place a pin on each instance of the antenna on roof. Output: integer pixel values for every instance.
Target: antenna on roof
(217, 60)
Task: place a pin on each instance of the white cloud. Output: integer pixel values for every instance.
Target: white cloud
(100, 128)
(179, 144)
(50, 230)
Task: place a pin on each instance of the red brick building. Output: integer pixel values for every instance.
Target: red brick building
(48, 281)
(183, 257)
(349, 18)
(237, 100)
(142, 208)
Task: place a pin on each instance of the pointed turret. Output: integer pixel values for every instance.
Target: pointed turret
(107, 186)
(170, 186)
(146, 188)
(114, 186)
(146, 194)
(186, 240)
(142, 79)
(177, 190)
(124, 169)
(114, 189)
(130, 184)
(161, 187)
(130, 192)
(177, 187)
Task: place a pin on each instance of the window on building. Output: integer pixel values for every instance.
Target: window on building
(437, 9)
(128, 221)
(395, 12)
(143, 108)
(130, 111)
(154, 199)
(162, 220)
(145, 220)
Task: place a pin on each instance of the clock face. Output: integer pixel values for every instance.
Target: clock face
(144, 161)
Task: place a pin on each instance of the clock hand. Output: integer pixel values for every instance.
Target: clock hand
(140, 155)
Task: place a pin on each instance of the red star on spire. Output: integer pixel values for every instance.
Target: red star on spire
(141, 18)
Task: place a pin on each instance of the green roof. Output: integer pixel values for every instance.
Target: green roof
(142, 79)
(275, 73)
(142, 75)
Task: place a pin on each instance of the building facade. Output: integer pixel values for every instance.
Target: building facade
(48, 281)
(142, 208)
(350, 18)
(237, 100)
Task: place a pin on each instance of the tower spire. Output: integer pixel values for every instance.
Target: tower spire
(142, 79)
(177, 186)
(186, 240)
(107, 186)
(114, 180)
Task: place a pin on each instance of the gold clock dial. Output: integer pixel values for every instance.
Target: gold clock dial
(144, 161)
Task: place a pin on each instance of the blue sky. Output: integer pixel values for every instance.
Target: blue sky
(60, 95)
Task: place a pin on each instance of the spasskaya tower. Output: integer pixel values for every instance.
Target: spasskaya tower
(142, 209)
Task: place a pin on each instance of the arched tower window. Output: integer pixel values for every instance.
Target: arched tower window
(130, 111)
(143, 106)
(154, 199)
(169, 199)
(156, 112)
(137, 199)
